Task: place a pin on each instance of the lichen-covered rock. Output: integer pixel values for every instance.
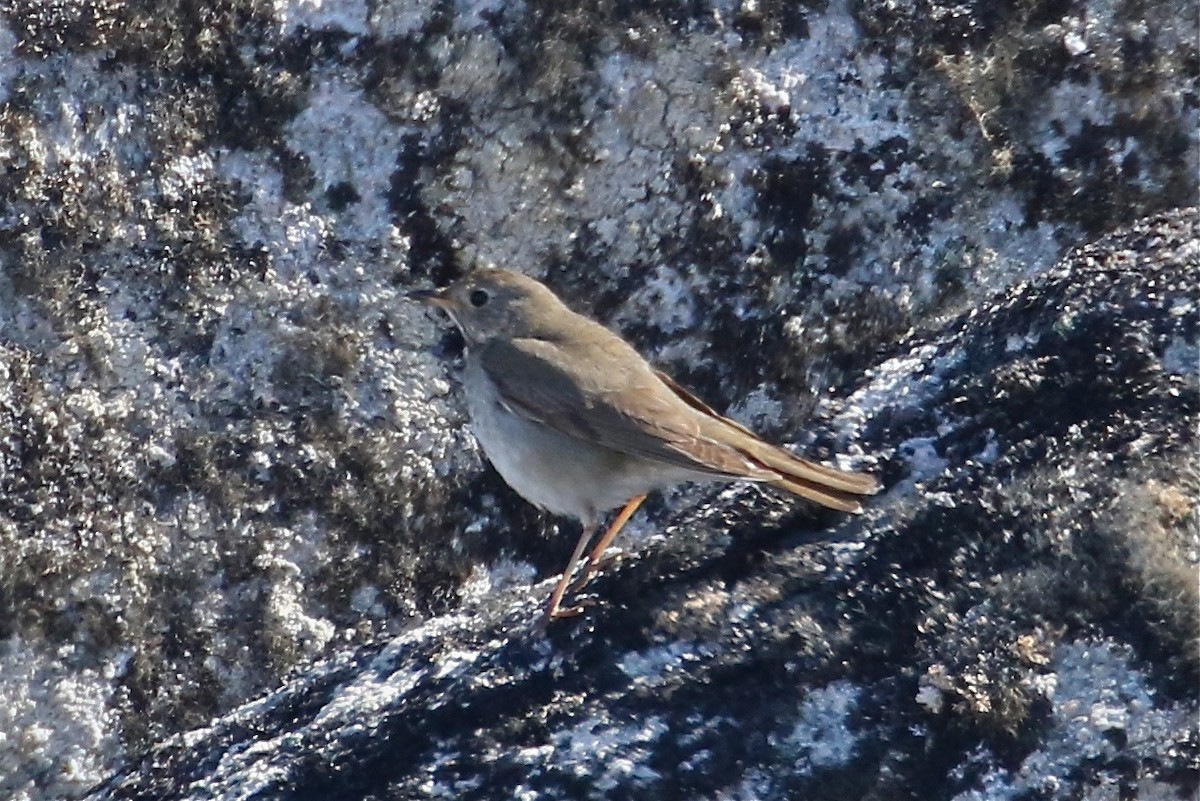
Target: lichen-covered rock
(1017, 615)
(226, 450)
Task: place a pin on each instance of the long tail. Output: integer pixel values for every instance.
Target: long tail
(828, 486)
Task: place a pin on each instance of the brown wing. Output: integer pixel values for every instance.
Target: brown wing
(597, 393)
(791, 467)
(629, 407)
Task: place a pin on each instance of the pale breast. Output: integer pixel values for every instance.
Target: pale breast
(558, 473)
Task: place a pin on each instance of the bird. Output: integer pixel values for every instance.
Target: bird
(578, 423)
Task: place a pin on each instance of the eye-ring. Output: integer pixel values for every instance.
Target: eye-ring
(479, 297)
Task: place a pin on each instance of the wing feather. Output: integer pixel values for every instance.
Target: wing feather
(631, 408)
(628, 410)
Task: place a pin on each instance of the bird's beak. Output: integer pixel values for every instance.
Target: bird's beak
(435, 297)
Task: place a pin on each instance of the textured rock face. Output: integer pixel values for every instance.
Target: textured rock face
(1017, 614)
(229, 454)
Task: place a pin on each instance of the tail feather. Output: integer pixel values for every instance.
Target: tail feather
(803, 471)
(843, 502)
(828, 486)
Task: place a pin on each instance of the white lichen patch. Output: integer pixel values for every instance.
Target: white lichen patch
(349, 142)
(293, 233)
(295, 627)
(911, 380)
(668, 298)
(384, 687)
(58, 733)
(821, 736)
(1095, 692)
(1182, 358)
(349, 16)
(809, 78)
(396, 18)
(529, 200)
(610, 754)
(9, 64)
(655, 665)
(502, 575)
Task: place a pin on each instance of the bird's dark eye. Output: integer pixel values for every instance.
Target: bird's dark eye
(479, 297)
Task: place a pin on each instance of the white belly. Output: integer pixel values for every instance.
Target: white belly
(552, 470)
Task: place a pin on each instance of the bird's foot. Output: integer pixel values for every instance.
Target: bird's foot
(556, 612)
(592, 569)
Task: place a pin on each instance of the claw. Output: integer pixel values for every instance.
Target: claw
(597, 567)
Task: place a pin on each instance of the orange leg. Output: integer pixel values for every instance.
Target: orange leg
(560, 589)
(618, 523)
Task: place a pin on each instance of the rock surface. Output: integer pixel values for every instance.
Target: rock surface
(234, 467)
(1017, 616)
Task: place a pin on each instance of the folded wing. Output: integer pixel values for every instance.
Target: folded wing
(641, 412)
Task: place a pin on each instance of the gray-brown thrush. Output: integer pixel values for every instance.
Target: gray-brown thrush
(578, 423)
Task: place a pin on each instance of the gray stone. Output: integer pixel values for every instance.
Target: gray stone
(232, 469)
